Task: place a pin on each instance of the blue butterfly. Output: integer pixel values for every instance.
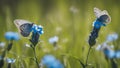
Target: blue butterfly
(24, 27)
(102, 18)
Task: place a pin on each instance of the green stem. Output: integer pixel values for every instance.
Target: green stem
(87, 56)
(8, 48)
(35, 57)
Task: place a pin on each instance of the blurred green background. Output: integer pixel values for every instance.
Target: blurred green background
(70, 20)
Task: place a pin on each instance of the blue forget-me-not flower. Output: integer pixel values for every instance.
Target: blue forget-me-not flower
(37, 28)
(36, 32)
(112, 54)
(56, 64)
(12, 36)
(2, 44)
(48, 59)
(117, 55)
(112, 37)
(53, 40)
(51, 62)
(109, 52)
(10, 60)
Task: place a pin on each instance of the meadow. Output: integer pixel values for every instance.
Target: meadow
(70, 21)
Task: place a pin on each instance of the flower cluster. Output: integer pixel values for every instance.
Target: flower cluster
(2, 44)
(36, 32)
(112, 37)
(12, 36)
(53, 40)
(36, 28)
(51, 62)
(107, 50)
(10, 60)
(93, 36)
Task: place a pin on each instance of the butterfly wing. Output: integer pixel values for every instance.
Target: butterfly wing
(23, 26)
(104, 12)
(26, 29)
(97, 12)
